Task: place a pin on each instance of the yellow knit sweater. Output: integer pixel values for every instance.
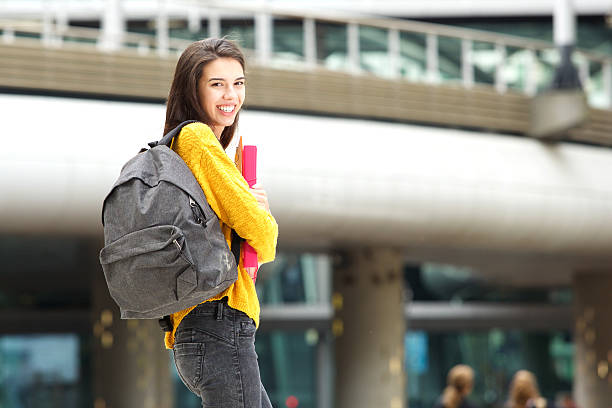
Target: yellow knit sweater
(228, 195)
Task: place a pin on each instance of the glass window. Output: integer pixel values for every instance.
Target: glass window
(241, 31)
(373, 50)
(449, 59)
(287, 362)
(495, 356)
(413, 58)
(288, 40)
(42, 371)
(332, 45)
(295, 278)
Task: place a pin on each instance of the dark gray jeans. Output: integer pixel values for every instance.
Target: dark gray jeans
(214, 353)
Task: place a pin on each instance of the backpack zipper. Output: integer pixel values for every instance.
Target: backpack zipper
(197, 212)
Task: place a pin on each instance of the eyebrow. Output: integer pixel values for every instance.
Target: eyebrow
(223, 79)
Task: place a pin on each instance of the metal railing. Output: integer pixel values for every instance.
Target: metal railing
(410, 50)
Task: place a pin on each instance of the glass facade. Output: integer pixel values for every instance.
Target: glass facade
(289, 364)
(593, 33)
(295, 278)
(495, 355)
(44, 371)
(54, 369)
(287, 359)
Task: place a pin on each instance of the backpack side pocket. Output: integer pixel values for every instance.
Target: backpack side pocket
(149, 268)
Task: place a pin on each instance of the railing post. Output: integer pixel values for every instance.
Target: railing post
(433, 75)
(113, 23)
(214, 24)
(162, 33)
(531, 80)
(500, 81)
(393, 49)
(352, 38)
(310, 41)
(263, 37)
(194, 22)
(143, 47)
(61, 24)
(47, 29)
(607, 81)
(467, 68)
(583, 72)
(8, 35)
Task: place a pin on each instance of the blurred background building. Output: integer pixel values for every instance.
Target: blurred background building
(442, 188)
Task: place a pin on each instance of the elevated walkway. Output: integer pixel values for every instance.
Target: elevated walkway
(477, 80)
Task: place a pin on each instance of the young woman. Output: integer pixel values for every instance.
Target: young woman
(459, 384)
(213, 342)
(524, 392)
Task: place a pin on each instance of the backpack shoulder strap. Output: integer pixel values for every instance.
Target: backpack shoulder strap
(236, 244)
(167, 139)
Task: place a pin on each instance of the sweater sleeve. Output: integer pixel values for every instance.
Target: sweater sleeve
(226, 190)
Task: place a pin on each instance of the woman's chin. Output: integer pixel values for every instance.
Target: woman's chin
(225, 121)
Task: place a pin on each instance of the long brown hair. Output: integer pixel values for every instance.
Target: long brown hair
(459, 381)
(183, 102)
(524, 387)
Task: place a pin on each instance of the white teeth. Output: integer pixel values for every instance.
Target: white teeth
(227, 109)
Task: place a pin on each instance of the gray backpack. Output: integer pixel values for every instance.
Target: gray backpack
(164, 250)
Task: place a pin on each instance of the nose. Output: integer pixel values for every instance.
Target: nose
(230, 93)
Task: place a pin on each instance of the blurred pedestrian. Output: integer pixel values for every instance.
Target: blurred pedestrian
(524, 392)
(565, 400)
(214, 342)
(459, 384)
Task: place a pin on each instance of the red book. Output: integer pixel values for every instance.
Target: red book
(248, 165)
(249, 172)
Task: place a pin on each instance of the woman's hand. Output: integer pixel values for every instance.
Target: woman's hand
(260, 195)
(252, 271)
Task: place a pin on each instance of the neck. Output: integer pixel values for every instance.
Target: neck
(217, 130)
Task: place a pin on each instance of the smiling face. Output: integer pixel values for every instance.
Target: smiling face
(221, 92)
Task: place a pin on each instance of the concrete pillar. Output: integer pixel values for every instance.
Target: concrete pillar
(369, 327)
(131, 367)
(593, 339)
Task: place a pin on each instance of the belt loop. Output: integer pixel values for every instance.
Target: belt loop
(220, 311)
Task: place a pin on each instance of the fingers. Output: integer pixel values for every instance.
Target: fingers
(262, 201)
(251, 271)
(260, 195)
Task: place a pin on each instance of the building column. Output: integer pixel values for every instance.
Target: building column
(369, 328)
(593, 339)
(131, 367)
